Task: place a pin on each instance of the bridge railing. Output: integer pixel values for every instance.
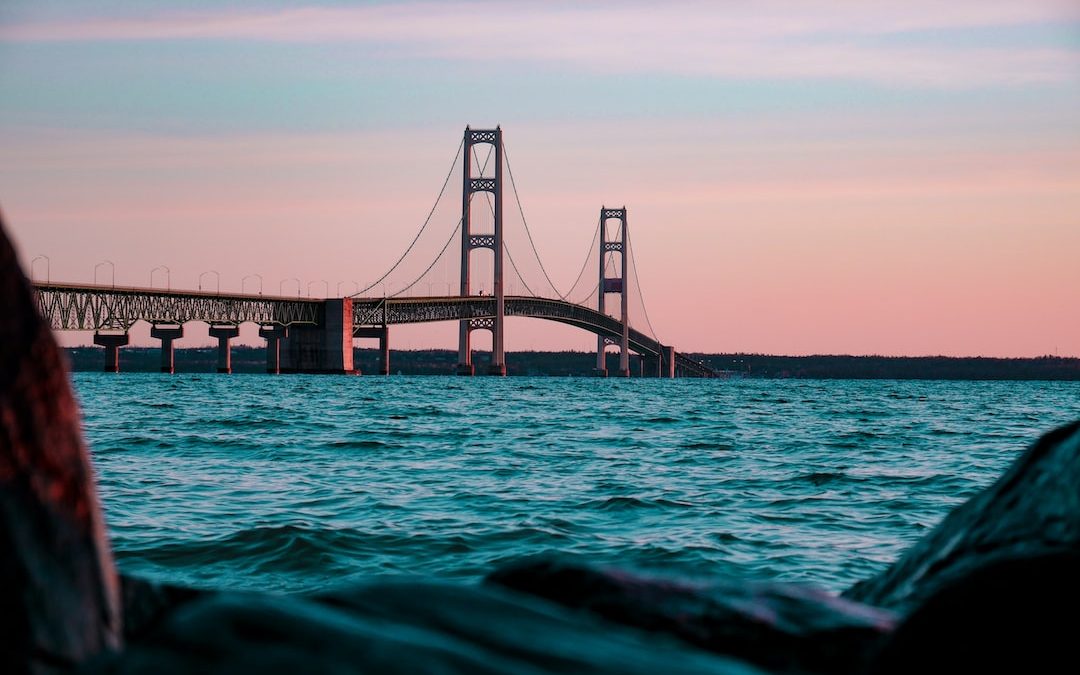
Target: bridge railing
(76, 307)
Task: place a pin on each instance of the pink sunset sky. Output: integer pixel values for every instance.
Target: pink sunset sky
(802, 177)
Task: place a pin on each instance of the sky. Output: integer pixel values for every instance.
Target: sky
(803, 177)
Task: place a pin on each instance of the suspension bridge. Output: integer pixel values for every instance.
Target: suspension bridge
(316, 335)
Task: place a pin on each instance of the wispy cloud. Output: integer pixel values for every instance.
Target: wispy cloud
(776, 39)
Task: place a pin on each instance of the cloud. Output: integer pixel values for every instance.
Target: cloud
(775, 39)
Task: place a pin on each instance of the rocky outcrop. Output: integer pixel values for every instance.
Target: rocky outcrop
(146, 603)
(400, 628)
(782, 627)
(1032, 510)
(1011, 615)
(59, 602)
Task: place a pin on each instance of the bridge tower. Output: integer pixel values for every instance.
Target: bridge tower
(614, 242)
(494, 241)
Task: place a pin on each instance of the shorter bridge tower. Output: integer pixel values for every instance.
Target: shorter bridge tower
(611, 243)
(494, 241)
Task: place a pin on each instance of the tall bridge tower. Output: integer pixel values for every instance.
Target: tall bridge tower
(492, 184)
(610, 243)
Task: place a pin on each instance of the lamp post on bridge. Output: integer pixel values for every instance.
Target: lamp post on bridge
(325, 283)
(111, 341)
(337, 289)
(168, 276)
(216, 276)
(48, 264)
(257, 276)
(112, 273)
(281, 286)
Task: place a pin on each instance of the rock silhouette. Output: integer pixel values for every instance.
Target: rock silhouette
(59, 601)
(974, 594)
(782, 627)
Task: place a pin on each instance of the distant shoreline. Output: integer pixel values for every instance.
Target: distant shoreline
(562, 364)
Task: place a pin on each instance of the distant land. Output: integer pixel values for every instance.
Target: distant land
(562, 364)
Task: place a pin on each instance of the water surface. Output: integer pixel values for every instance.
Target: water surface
(307, 482)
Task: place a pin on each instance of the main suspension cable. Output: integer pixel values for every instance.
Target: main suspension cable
(588, 256)
(427, 220)
(637, 285)
(517, 198)
(517, 271)
(433, 262)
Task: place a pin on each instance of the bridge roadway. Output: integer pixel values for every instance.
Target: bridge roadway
(117, 308)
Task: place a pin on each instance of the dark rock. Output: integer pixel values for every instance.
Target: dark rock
(59, 602)
(146, 603)
(777, 626)
(400, 628)
(1032, 510)
(1015, 615)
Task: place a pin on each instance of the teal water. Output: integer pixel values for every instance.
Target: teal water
(305, 482)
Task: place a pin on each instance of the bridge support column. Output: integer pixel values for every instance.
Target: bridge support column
(466, 369)
(601, 357)
(112, 342)
(382, 334)
(224, 335)
(493, 185)
(617, 243)
(167, 333)
(273, 335)
(325, 348)
(384, 351)
(667, 362)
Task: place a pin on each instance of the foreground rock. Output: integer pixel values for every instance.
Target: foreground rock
(1012, 615)
(782, 627)
(59, 602)
(399, 628)
(1033, 510)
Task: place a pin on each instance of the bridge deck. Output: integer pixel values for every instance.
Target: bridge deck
(95, 307)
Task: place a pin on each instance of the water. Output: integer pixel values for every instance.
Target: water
(300, 483)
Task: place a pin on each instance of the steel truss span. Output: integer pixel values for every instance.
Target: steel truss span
(77, 307)
(390, 311)
(104, 308)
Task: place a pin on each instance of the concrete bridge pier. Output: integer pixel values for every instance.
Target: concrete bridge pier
(384, 351)
(382, 333)
(667, 362)
(465, 365)
(273, 335)
(327, 346)
(112, 342)
(167, 333)
(224, 335)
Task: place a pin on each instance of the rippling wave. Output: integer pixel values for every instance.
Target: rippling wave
(306, 482)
